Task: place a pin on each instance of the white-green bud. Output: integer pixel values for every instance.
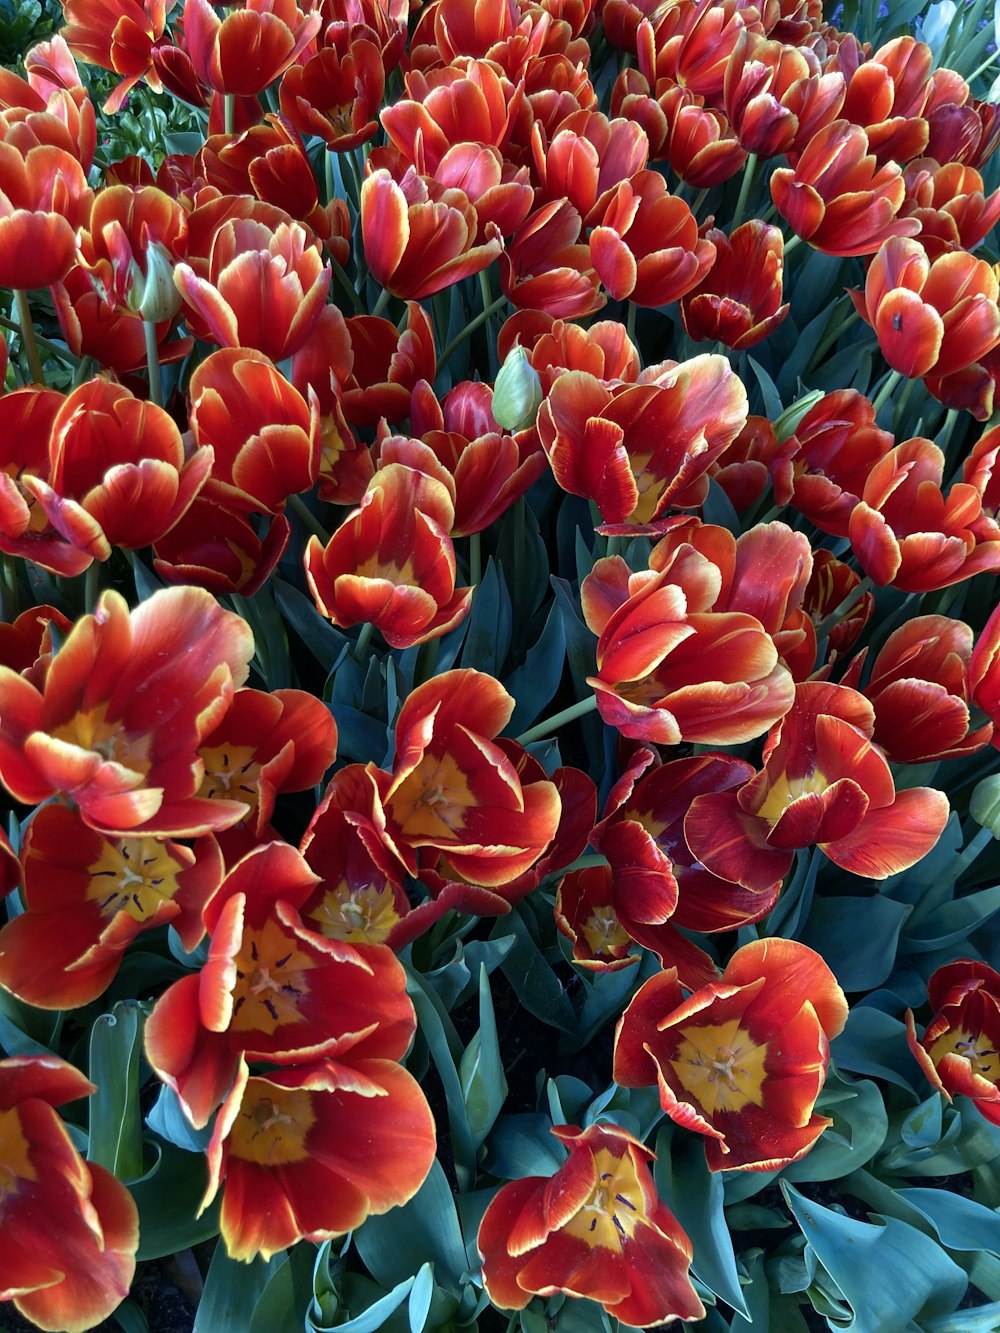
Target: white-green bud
(153, 295)
(984, 804)
(517, 394)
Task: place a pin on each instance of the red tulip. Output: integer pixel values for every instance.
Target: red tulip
(337, 92)
(387, 365)
(216, 548)
(595, 1229)
(117, 35)
(546, 266)
(958, 1051)
(604, 350)
(742, 1060)
(247, 50)
(738, 301)
(44, 200)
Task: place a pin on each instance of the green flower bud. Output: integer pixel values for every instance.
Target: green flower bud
(789, 421)
(153, 295)
(517, 394)
(984, 804)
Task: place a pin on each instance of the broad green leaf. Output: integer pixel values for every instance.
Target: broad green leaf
(232, 1291)
(484, 1086)
(534, 683)
(397, 1244)
(490, 623)
(523, 1145)
(115, 1116)
(889, 1274)
(130, 1317)
(421, 1295)
(874, 1043)
(438, 1031)
(858, 1131)
(168, 1121)
(536, 985)
(168, 1196)
(961, 1223)
(857, 937)
(285, 1300)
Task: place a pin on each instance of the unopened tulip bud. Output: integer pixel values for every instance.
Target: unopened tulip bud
(984, 804)
(153, 295)
(788, 423)
(517, 394)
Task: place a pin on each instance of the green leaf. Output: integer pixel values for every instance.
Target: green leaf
(535, 682)
(889, 1275)
(325, 643)
(285, 1300)
(21, 1027)
(769, 393)
(232, 1290)
(874, 1043)
(129, 1317)
(857, 937)
(115, 1117)
(425, 1230)
(490, 623)
(421, 1294)
(168, 1197)
(858, 1131)
(523, 1145)
(484, 1087)
(438, 1031)
(168, 1121)
(960, 1223)
(538, 988)
(374, 1317)
(695, 1196)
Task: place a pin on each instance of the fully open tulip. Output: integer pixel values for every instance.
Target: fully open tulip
(391, 563)
(739, 300)
(336, 94)
(930, 318)
(264, 435)
(51, 105)
(907, 532)
(117, 35)
(71, 1230)
(958, 1052)
(273, 989)
(825, 784)
(742, 1060)
(547, 267)
(388, 362)
(419, 237)
(310, 1152)
(88, 896)
(119, 473)
(215, 547)
(116, 723)
(454, 791)
(633, 448)
(596, 1229)
(837, 198)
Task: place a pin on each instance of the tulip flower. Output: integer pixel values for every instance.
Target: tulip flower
(26, 644)
(984, 670)
(337, 92)
(264, 434)
(636, 449)
(889, 92)
(832, 585)
(308, 1153)
(420, 238)
(958, 1052)
(595, 1229)
(738, 301)
(604, 350)
(646, 246)
(691, 45)
(908, 533)
(454, 791)
(124, 704)
(88, 896)
(51, 105)
(391, 563)
(668, 670)
(743, 1059)
(699, 143)
(71, 1230)
(216, 548)
(951, 205)
(930, 318)
(587, 914)
(919, 687)
(387, 364)
(764, 89)
(117, 35)
(837, 198)
(471, 103)
(546, 267)
(743, 468)
(119, 474)
(44, 201)
(587, 159)
(273, 989)
(247, 50)
(825, 784)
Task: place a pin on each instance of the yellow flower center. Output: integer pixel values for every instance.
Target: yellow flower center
(976, 1049)
(272, 1125)
(133, 875)
(786, 790)
(93, 731)
(721, 1067)
(604, 932)
(362, 915)
(431, 802)
(615, 1207)
(15, 1163)
(231, 774)
(270, 971)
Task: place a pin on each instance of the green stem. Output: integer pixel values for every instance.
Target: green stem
(383, 300)
(299, 507)
(885, 393)
(944, 435)
(839, 326)
(11, 597)
(558, 720)
(978, 844)
(699, 200)
(843, 608)
(990, 59)
(791, 242)
(585, 862)
(331, 190)
(749, 171)
(363, 640)
(470, 328)
(475, 559)
(28, 336)
(904, 398)
(63, 353)
(630, 321)
(91, 585)
(229, 112)
(348, 287)
(153, 363)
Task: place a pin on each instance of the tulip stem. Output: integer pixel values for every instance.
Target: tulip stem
(11, 598)
(630, 321)
(229, 112)
(475, 559)
(470, 328)
(749, 171)
(298, 506)
(944, 435)
(699, 200)
(839, 326)
(331, 189)
(900, 408)
(91, 585)
(28, 336)
(382, 301)
(558, 720)
(885, 393)
(843, 608)
(153, 363)
(63, 353)
(348, 286)
(790, 244)
(363, 640)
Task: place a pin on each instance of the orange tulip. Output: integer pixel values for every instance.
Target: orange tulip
(117, 35)
(247, 50)
(738, 301)
(44, 201)
(958, 1051)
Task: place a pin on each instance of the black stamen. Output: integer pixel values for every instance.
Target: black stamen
(621, 1199)
(280, 962)
(253, 950)
(269, 1006)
